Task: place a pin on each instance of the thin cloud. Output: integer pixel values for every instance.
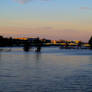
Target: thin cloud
(22, 1)
(85, 8)
(26, 1)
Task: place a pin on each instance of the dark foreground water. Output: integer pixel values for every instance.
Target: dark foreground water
(52, 70)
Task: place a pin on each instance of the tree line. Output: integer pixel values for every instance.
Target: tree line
(4, 42)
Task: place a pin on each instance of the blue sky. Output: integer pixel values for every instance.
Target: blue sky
(69, 18)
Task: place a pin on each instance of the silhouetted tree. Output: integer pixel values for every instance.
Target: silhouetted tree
(1, 41)
(26, 46)
(90, 42)
(1, 37)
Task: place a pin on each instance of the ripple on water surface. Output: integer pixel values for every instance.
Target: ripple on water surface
(52, 70)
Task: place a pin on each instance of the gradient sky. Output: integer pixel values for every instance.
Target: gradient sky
(53, 19)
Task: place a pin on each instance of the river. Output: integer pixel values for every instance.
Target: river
(51, 70)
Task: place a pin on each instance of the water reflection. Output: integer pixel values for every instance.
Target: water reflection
(1, 50)
(26, 56)
(38, 56)
(0, 56)
(39, 72)
(90, 59)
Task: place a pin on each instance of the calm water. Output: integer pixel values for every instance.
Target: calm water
(52, 70)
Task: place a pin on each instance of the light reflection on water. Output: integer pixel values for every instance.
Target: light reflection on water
(52, 70)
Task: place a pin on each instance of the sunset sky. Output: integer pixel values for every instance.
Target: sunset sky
(52, 19)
